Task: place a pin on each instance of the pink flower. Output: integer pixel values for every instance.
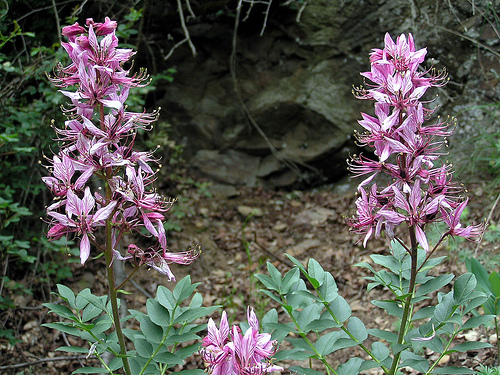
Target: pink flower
(407, 151)
(161, 259)
(80, 220)
(231, 353)
(452, 218)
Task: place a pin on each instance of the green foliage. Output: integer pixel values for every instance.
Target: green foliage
(485, 370)
(321, 320)
(166, 337)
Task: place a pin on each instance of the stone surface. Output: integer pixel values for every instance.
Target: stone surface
(314, 216)
(296, 82)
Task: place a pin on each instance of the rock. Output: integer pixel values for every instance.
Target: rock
(444, 359)
(296, 83)
(471, 336)
(246, 211)
(314, 216)
(223, 191)
(493, 339)
(232, 167)
(302, 247)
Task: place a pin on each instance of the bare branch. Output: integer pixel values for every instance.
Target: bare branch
(184, 28)
(40, 361)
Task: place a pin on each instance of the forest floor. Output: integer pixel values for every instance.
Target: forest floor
(304, 224)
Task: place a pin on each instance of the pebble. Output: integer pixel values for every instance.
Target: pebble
(471, 336)
(247, 211)
(444, 359)
(493, 339)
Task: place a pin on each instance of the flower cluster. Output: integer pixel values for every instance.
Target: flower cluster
(408, 151)
(231, 353)
(97, 141)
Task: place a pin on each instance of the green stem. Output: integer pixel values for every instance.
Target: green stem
(160, 345)
(408, 302)
(447, 346)
(498, 341)
(113, 296)
(109, 266)
(359, 343)
(302, 334)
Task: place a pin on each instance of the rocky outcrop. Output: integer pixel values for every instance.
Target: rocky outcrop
(295, 83)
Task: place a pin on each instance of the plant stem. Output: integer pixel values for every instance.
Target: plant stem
(113, 296)
(110, 271)
(302, 334)
(498, 341)
(408, 302)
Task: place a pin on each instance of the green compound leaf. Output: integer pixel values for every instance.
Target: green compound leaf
(289, 280)
(316, 272)
(158, 314)
(380, 351)
(165, 297)
(303, 371)
(295, 354)
(91, 370)
(184, 289)
(153, 332)
(275, 275)
(63, 327)
(464, 286)
(67, 294)
(391, 307)
(448, 370)
(340, 309)
(444, 308)
(62, 311)
(143, 347)
(433, 284)
(267, 282)
(195, 313)
(414, 361)
(168, 358)
(474, 266)
(471, 345)
(494, 279)
(329, 290)
(388, 336)
(477, 321)
(357, 329)
(72, 349)
(352, 366)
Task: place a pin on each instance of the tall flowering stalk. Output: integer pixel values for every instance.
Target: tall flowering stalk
(98, 180)
(407, 149)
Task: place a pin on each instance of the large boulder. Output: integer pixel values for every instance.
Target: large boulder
(289, 116)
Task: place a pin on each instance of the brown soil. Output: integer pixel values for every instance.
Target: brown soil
(303, 224)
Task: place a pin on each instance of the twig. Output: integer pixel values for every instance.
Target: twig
(232, 68)
(43, 360)
(275, 256)
(184, 28)
(486, 18)
(140, 289)
(479, 44)
(58, 23)
(299, 12)
(190, 10)
(487, 221)
(165, 58)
